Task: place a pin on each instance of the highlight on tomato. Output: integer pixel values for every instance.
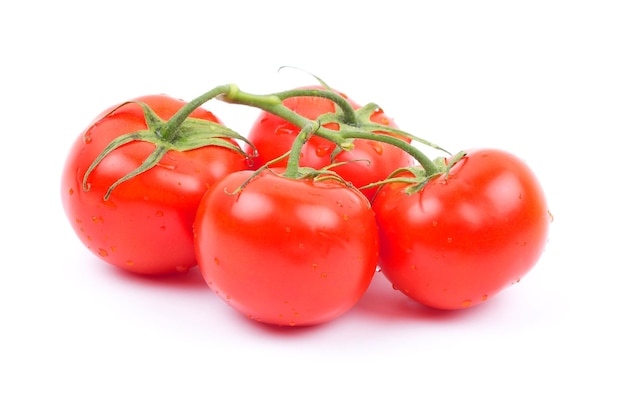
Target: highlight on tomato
(460, 238)
(156, 185)
(286, 251)
(130, 187)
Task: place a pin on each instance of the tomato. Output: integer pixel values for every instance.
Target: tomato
(283, 251)
(146, 224)
(466, 236)
(373, 161)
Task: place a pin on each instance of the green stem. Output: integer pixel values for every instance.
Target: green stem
(349, 114)
(429, 167)
(293, 163)
(168, 131)
(273, 103)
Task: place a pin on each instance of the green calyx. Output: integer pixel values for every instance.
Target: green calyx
(418, 177)
(178, 134)
(183, 133)
(348, 124)
(352, 124)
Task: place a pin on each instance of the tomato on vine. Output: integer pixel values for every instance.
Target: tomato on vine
(366, 162)
(132, 182)
(461, 237)
(156, 185)
(286, 251)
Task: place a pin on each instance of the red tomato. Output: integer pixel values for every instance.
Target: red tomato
(285, 251)
(273, 137)
(464, 237)
(146, 226)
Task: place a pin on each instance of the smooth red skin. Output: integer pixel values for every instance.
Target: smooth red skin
(146, 226)
(464, 238)
(286, 252)
(273, 137)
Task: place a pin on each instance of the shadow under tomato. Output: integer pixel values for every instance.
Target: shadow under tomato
(388, 304)
(286, 331)
(183, 280)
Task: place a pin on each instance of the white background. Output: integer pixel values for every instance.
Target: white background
(543, 79)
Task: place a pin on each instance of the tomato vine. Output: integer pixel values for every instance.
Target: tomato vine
(353, 124)
(432, 215)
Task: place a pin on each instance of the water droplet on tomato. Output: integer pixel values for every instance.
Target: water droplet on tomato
(283, 130)
(171, 167)
(216, 261)
(159, 213)
(292, 323)
(97, 219)
(466, 303)
(314, 266)
(87, 138)
(322, 150)
(449, 240)
(71, 191)
(378, 147)
(103, 252)
(162, 228)
(182, 268)
(324, 275)
(130, 263)
(378, 268)
(484, 297)
(435, 223)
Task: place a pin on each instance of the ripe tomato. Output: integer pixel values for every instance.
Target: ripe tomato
(464, 237)
(146, 226)
(286, 251)
(374, 161)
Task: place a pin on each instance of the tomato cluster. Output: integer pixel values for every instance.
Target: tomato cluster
(289, 224)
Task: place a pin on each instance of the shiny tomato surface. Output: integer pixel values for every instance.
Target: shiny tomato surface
(465, 236)
(145, 226)
(284, 251)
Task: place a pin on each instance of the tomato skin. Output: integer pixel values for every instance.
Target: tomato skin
(462, 239)
(146, 226)
(273, 136)
(284, 251)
